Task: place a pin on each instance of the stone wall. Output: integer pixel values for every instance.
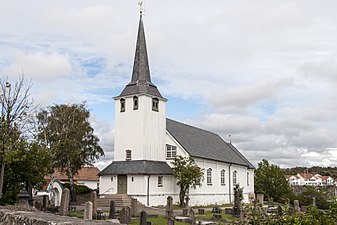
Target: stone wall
(9, 216)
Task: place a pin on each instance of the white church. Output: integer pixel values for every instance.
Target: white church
(146, 143)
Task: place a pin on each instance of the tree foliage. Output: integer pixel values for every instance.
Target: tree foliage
(188, 175)
(16, 107)
(66, 130)
(270, 181)
(28, 167)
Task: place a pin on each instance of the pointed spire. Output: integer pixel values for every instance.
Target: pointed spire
(141, 69)
(141, 79)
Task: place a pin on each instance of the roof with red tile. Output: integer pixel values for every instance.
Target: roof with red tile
(85, 173)
(306, 176)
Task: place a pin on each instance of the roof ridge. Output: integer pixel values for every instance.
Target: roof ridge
(198, 128)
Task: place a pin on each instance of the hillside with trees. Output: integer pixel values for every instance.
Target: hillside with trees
(324, 171)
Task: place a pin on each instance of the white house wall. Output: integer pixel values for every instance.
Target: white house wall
(145, 126)
(89, 183)
(108, 184)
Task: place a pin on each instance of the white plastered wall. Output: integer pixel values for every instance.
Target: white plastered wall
(146, 127)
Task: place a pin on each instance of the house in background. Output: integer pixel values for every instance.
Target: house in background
(87, 176)
(309, 179)
(146, 143)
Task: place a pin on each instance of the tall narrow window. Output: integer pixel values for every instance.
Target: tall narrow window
(234, 177)
(155, 104)
(122, 102)
(247, 178)
(128, 154)
(160, 181)
(222, 177)
(171, 151)
(209, 176)
(135, 103)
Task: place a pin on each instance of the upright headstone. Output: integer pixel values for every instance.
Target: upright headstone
(125, 215)
(191, 215)
(297, 206)
(186, 211)
(260, 198)
(23, 197)
(45, 202)
(169, 211)
(134, 207)
(88, 211)
(94, 201)
(236, 203)
(169, 207)
(63, 210)
(279, 211)
(143, 218)
(112, 211)
(314, 201)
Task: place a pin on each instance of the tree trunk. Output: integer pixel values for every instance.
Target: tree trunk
(2, 174)
(73, 197)
(182, 197)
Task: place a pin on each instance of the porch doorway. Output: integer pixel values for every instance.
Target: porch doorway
(122, 184)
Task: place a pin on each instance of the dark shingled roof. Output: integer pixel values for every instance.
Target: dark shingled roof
(205, 144)
(137, 167)
(141, 79)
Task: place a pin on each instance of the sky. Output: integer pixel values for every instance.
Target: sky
(264, 72)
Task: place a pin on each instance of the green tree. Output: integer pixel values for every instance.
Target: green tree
(29, 165)
(15, 107)
(270, 181)
(66, 130)
(188, 175)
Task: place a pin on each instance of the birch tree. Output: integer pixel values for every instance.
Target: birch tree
(66, 131)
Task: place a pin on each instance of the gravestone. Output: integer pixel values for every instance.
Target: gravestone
(45, 202)
(251, 197)
(125, 215)
(314, 201)
(236, 203)
(88, 211)
(297, 206)
(63, 210)
(94, 201)
(169, 211)
(143, 218)
(23, 197)
(270, 202)
(186, 211)
(112, 211)
(169, 207)
(134, 207)
(191, 216)
(260, 198)
(279, 211)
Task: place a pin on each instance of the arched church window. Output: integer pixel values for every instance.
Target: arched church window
(122, 103)
(209, 176)
(135, 103)
(155, 104)
(234, 177)
(222, 177)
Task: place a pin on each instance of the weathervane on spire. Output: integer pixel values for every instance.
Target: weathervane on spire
(141, 9)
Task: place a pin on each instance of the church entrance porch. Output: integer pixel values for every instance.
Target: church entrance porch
(122, 184)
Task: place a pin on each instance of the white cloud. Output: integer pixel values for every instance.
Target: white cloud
(39, 65)
(263, 71)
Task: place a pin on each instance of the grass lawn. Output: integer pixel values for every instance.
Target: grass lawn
(158, 221)
(209, 216)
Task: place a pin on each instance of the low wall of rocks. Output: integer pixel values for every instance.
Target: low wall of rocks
(10, 216)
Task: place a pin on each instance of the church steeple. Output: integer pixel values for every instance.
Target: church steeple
(141, 79)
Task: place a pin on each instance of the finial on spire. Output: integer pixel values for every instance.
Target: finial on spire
(141, 9)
